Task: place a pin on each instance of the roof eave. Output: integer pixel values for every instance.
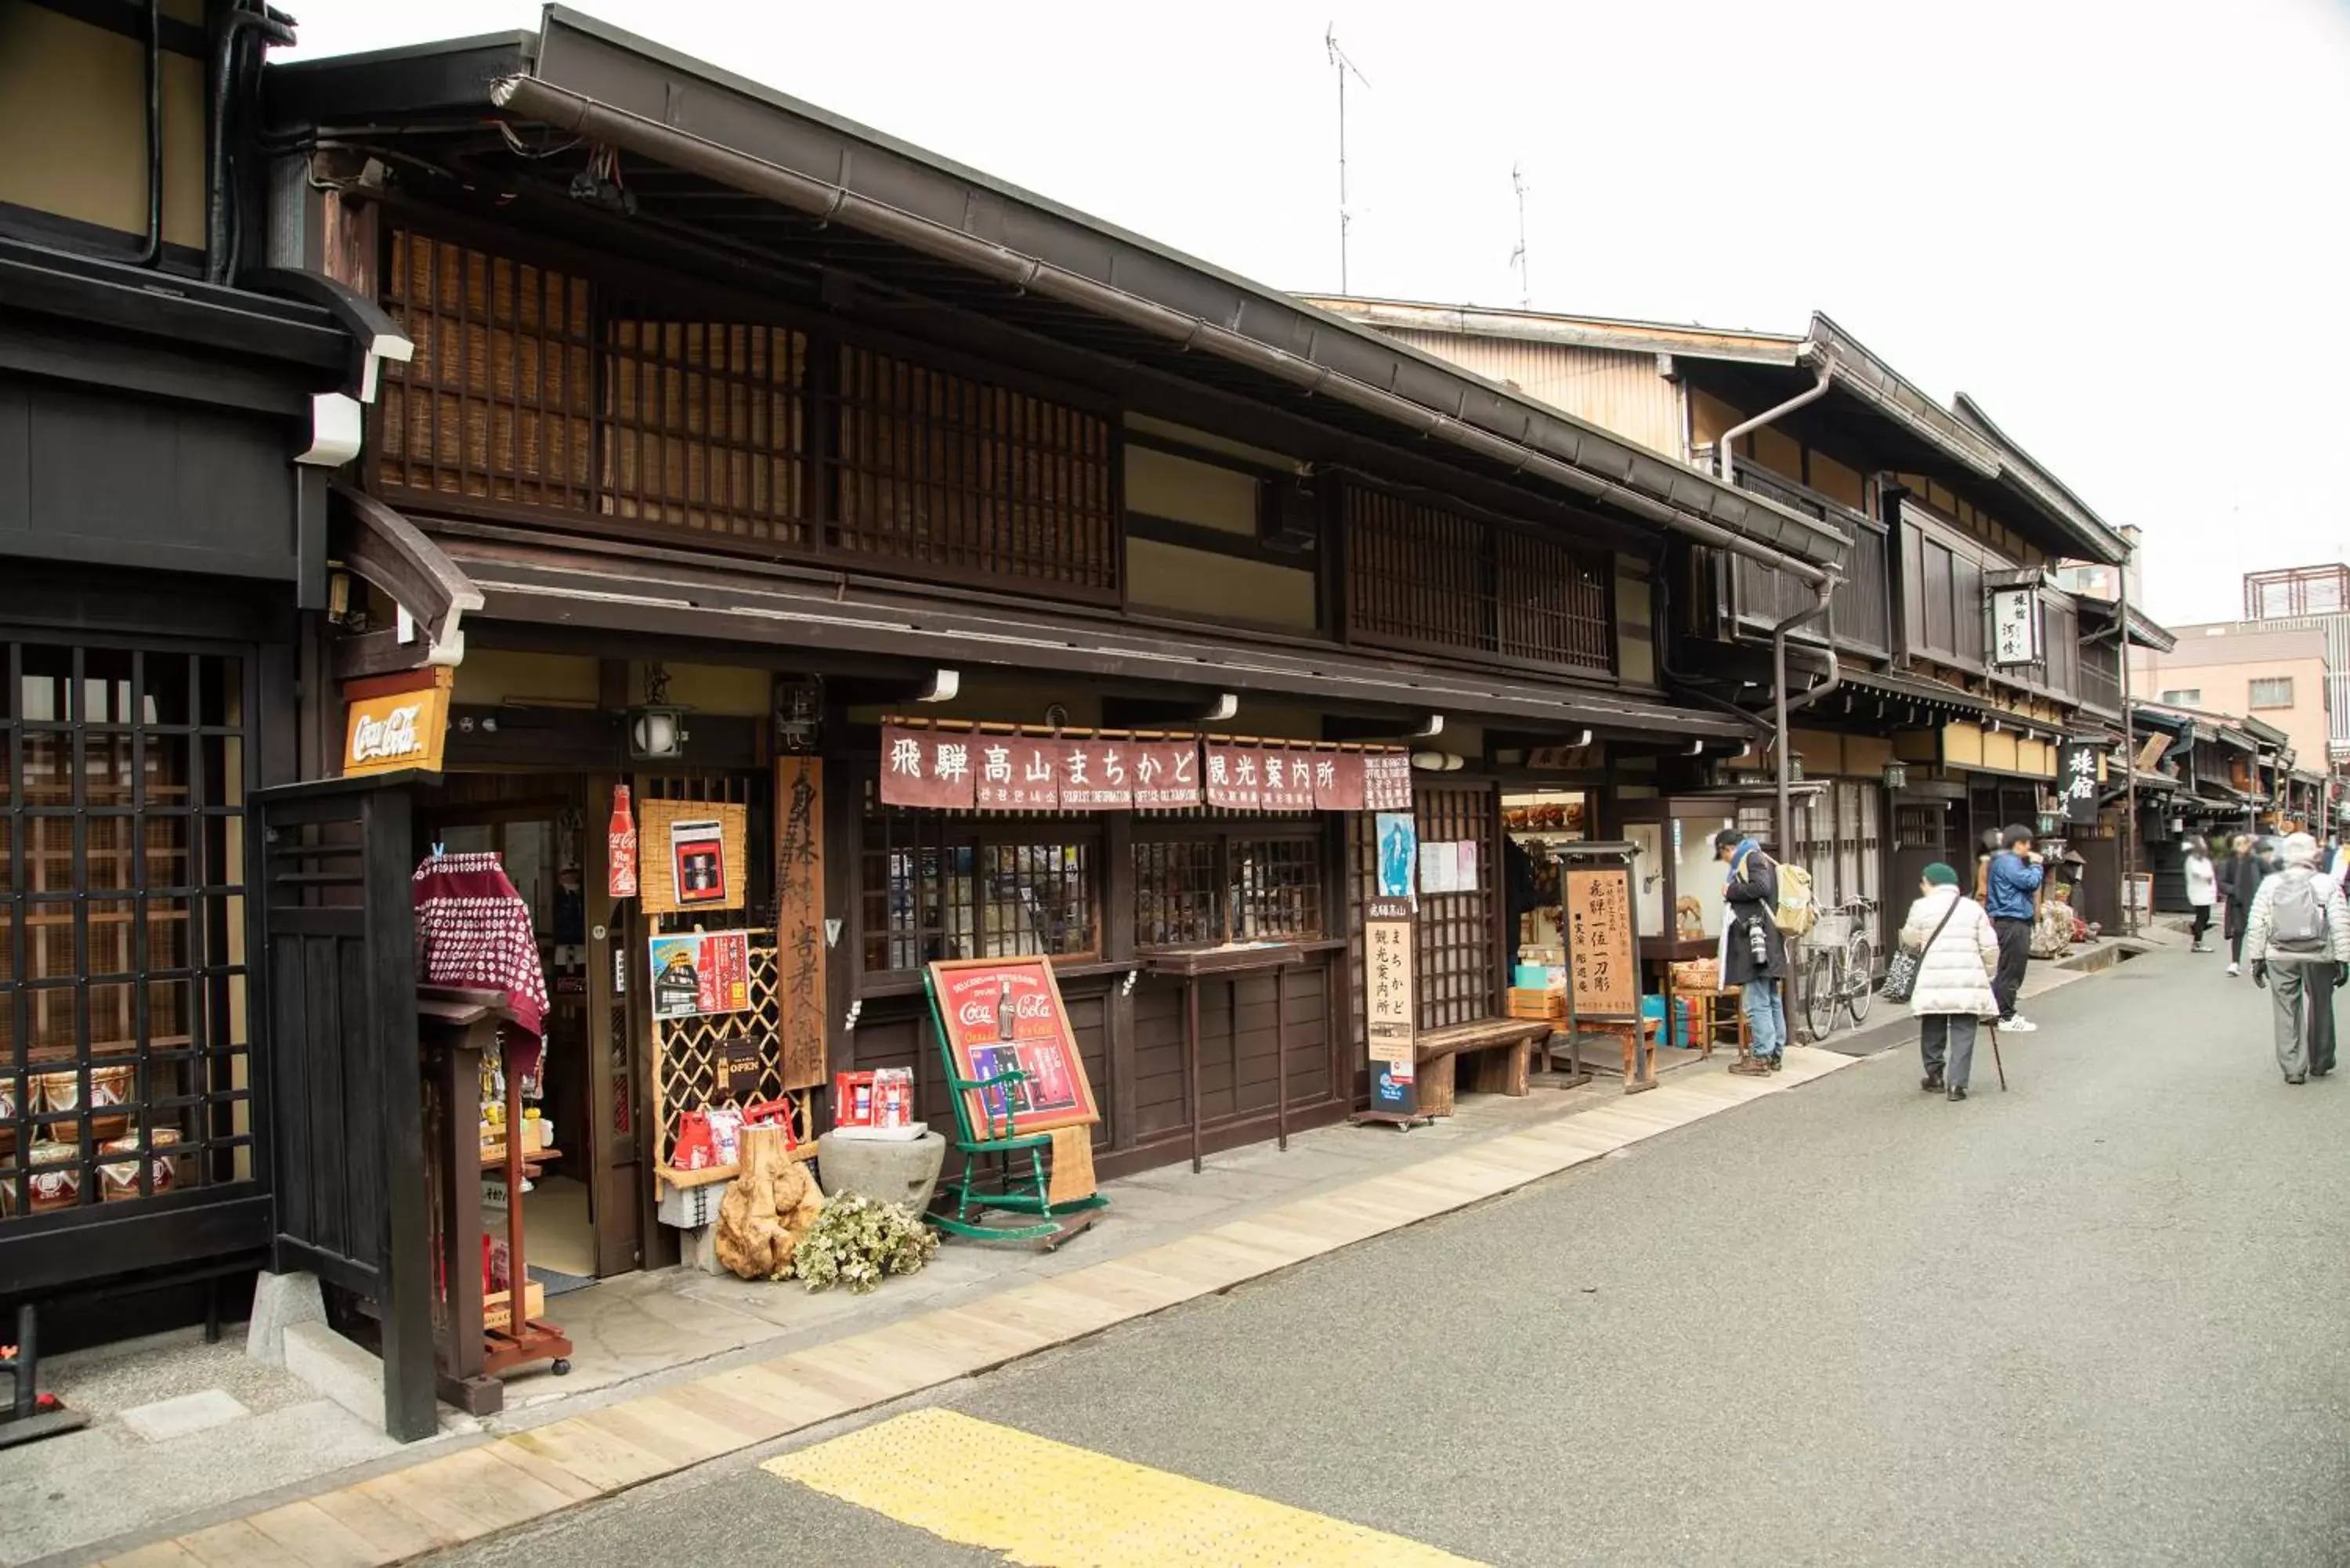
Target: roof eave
(2055, 500)
(1566, 331)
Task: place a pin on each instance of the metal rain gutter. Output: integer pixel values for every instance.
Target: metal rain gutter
(579, 115)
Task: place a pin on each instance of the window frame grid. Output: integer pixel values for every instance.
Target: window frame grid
(205, 1099)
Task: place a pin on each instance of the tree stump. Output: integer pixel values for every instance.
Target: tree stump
(767, 1209)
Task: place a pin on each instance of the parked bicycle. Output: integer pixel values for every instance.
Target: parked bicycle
(1839, 967)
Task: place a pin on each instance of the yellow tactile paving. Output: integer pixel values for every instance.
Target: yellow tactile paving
(1048, 1505)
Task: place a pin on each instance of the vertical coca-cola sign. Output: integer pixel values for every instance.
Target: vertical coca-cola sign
(620, 847)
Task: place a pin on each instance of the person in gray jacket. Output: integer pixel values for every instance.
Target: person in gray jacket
(2297, 943)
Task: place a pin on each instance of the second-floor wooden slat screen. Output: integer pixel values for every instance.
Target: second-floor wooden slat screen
(1417, 574)
(536, 391)
(496, 403)
(949, 471)
(1422, 576)
(706, 427)
(2101, 677)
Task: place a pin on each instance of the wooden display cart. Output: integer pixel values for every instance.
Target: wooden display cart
(457, 1028)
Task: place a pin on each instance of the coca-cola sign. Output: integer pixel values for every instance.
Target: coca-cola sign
(395, 726)
(1007, 1028)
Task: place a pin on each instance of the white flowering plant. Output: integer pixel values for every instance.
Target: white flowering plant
(857, 1240)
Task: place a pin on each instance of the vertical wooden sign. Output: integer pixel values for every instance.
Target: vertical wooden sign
(1390, 1018)
(1602, 965)
(799, 918)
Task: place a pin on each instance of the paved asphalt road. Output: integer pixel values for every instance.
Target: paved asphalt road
(2099, 1319)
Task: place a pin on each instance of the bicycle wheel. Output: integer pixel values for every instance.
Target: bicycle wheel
(1820, 993)
(1860, 978)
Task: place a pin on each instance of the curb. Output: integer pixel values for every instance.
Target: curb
(527, 1476)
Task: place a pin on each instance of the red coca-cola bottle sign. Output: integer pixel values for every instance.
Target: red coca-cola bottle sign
(622, 854)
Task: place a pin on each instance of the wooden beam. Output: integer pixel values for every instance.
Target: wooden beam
(393, 553)
(1169, 712)
(1425, 727)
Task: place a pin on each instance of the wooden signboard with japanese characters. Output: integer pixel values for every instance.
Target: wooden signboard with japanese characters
(1603, 970)
(1389, 1016)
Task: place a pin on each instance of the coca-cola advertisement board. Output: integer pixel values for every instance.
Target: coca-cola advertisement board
(1000, 1015)
(395, 722)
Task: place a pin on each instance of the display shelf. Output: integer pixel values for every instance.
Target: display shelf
(495, 1154)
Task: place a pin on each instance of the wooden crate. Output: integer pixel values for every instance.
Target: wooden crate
(493, 1305)
(1538, 1003)
(1697, 974)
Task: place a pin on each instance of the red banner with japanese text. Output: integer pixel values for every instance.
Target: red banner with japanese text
(1017, 773)
(928, 768)
(1234, 780)
(1166, 775)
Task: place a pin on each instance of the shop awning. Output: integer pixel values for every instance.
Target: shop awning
(590, 591)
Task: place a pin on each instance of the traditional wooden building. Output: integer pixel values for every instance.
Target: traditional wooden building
(1926, 711)
(748, 459)
(171, 409)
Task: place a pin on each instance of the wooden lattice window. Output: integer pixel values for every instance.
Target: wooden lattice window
(705, 428)
(936, 887)
(950, 472)
(1213, 888)
(496, 404)
(124, 1051)
(1554, 603)
(1276, 888)
(1458, 976)
(1419, 575)
(1175, 898)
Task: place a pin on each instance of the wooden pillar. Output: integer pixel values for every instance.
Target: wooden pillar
(1118, 943)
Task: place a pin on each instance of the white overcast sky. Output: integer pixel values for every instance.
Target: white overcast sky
(2121, 227)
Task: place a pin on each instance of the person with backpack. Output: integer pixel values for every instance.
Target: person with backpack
(1957, 954)
(2011, 885)
(1753, 951)
(2240, 883)
(2297, 940)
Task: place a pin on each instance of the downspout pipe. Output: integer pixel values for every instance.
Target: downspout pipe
(1822, 604)
(276, 29)
(151, 252)
(1726, 446)
(1679, 682)
(576, 115)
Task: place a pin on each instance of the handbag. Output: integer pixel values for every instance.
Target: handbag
(1901, 969)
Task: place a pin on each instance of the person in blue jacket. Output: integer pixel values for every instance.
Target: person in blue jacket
(2012, 889)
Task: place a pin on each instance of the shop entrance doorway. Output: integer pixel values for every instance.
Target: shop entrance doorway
(579, 1223)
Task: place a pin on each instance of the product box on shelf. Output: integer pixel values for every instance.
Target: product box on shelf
(875, 1105)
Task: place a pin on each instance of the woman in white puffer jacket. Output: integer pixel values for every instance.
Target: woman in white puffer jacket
(1958, 952)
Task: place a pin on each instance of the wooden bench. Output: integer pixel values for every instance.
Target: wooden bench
(1502, 1049)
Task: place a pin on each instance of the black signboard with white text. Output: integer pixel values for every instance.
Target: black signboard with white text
(2077, 781)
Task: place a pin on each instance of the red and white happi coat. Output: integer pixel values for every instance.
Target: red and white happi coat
(474, 932)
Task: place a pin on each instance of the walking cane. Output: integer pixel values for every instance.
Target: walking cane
(1994, 1057)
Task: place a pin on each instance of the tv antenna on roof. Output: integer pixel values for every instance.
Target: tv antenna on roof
(1344, 67)
(1518, 257)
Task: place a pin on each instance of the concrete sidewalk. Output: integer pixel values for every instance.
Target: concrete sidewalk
(1169, 1237)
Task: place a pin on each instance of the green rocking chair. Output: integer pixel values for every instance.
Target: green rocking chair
(975, 1193)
